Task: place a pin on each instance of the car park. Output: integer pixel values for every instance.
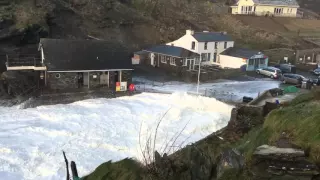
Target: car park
(272, 72)
(296, 79)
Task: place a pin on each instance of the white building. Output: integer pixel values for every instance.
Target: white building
(284, 8)
(208, 44)
(246, 59)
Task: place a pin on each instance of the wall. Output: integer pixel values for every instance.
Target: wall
(211, 49)
(287, 11)
(185, 42)
(173, 69)
(244, 3)
(231, 62)
(66, 80)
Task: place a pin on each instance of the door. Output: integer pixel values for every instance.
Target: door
(191, 64)
(256, 64)
(85, 79)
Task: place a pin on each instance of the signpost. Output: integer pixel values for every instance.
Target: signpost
(121, 86)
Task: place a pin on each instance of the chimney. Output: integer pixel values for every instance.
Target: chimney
(205, 31)
(189, 32)
(224, 33)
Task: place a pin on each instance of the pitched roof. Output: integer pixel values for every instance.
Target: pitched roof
(172, 51)
(211, 36)
(73, 55)
(277, 2)
(239, 52)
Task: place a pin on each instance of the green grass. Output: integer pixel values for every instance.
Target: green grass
(300, 120)
(126, 169)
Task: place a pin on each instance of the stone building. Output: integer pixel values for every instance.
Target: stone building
(79, 64)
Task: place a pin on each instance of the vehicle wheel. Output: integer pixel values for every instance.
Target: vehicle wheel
(272, 77)
(284, 82)
(258, 71)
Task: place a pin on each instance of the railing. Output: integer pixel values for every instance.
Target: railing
(270, 14)
(26, 61)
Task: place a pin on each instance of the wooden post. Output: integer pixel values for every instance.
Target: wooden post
(108, 79)
(7, 59)
(88, 80)
(120, 76)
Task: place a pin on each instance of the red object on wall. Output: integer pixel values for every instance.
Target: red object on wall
(117, 83)
(131, 87)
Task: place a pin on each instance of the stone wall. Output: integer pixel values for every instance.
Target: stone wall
(62, 80)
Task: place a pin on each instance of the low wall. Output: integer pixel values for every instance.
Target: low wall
(192, 76)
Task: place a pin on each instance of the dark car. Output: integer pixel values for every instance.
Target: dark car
(287, 68)
(289, 78)
(316, 71)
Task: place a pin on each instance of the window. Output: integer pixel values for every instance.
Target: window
(193, 45)
(278, 10)
(184, 62)
(216, 45)
(172, 61)
(163, 59)
(208, 56)
(225, 45)
(250, 62)
(203, 57)
(214, 57)
(205, 45)
(262, 61)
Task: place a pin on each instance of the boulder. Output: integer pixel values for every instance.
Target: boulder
(282, 163)
(230, 160)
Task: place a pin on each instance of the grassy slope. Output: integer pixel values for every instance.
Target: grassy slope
(300, 121)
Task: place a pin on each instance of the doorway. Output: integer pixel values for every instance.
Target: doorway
(256, 63)
(80, 80)
(116, 76)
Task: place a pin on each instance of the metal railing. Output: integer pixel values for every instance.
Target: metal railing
(25, 61)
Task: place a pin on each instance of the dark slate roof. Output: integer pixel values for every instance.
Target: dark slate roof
(73, 55)
(211, 36)
(172, 51)
(239, 52)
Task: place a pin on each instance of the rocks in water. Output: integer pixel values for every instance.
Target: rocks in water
(270, 162)
(229, 160)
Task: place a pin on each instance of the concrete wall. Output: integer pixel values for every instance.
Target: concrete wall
(231, 62)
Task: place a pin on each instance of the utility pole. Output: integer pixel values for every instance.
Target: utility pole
(199, 75)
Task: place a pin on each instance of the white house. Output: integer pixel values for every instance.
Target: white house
(208, 44)
(285, 8)
(246, 59)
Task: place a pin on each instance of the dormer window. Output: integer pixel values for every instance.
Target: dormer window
(225, 45)
(206, 45)
(193, 45)
(215, 45)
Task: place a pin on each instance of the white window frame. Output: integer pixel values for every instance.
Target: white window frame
(163, 59)
(184, 62)
(173, 61)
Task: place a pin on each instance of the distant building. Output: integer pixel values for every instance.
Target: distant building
(208, 44)
(170, 58)
(246, 59)
(73, 64)
(284, 8)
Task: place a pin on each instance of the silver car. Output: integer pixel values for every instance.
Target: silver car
(271, 72)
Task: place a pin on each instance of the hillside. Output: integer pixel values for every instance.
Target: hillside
(135, 23)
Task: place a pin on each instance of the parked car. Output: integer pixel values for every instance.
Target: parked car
(289, 78)
(287, 68)
(316, 71)
(271, 72)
